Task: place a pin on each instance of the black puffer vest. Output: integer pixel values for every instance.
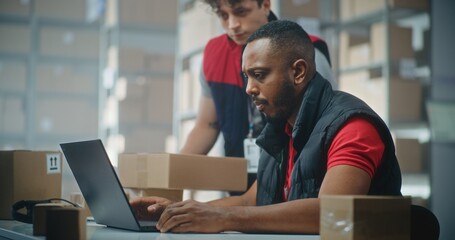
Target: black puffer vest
(322, 114)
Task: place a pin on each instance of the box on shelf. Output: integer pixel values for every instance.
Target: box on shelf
(13, 76)
(28, 175)
(15, 38)
(410, 154)
(143, 99)
(346, 9)
(365, 7)
(160, 96)
(147, 13)
(66, 116)
(62, 9)
(197, 19)
(182, 171)
(175, 195)
(15, 7)
(359, 55)
(294, 9)
(140, 60)
(144, 138)
(13, 120)
(400, 39)
(74, 43)
(404, 96)
(348, 44)
(66, 79)
(365, 217)
(357, 8)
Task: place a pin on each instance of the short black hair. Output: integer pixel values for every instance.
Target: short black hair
(288, 39)
(215, 4)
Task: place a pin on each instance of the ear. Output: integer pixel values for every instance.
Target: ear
(300, 68)
(267, 7)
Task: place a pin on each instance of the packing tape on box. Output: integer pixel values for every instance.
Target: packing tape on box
(338, 221)
(141, 162)
(142, 173)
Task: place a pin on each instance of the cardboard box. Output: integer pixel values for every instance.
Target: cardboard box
(175, 195)
(28, 175)
(346, 9)
(66, 116)
(15, 38)
(66, 223)
(299, 8)
(365, 217)
(15, 7)
(143, 99)
(400, 43)
(147, 13)
(66, 79)
(145, 137)
(398, 101)
(160, 96)
(78, 198)
(348, 44)
(410, 154)
(74, 43)
(13, 76)
(182, 171)
(13, 120)
(197, 19)
(362, 7)
(62, 9)
(359, 55)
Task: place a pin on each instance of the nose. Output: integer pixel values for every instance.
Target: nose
(233, 22)
(251, 88)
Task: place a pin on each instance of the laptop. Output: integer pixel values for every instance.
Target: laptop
(101, 187)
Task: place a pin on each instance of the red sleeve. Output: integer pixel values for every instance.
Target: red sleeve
(357, 144)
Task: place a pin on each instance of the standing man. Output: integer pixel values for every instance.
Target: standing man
(316, 142)
(224, 107)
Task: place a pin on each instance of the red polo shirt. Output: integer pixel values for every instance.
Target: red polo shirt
(357, 144)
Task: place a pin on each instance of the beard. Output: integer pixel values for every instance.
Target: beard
(285, 103)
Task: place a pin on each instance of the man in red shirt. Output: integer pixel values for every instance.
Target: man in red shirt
(317, 142)
(224, 107)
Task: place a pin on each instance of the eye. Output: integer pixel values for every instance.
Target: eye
(240, 12)
(222, 15)
(258, 75)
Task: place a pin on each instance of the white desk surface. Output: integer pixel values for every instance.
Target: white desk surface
(23, 231)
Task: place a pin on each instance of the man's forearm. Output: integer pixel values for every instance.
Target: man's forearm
(299, 216)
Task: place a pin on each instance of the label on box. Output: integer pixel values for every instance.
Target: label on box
(53, 163)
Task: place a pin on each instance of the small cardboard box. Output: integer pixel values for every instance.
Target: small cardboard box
(397, 101)
(175, 195)
(365, 217)
(400, 42)
(182, 171)
(28, 175)
(410, 154)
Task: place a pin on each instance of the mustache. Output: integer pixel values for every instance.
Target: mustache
(257, 100)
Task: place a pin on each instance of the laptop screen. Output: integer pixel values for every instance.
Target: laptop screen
(99, 184)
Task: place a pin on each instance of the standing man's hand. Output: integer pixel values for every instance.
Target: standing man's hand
(192, 216)
(149, 208)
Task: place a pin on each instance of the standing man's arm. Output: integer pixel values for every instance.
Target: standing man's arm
(205, 132)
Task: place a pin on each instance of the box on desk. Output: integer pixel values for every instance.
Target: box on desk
(28, 175)
(182, 171)
(175, 195)
(365, 217)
